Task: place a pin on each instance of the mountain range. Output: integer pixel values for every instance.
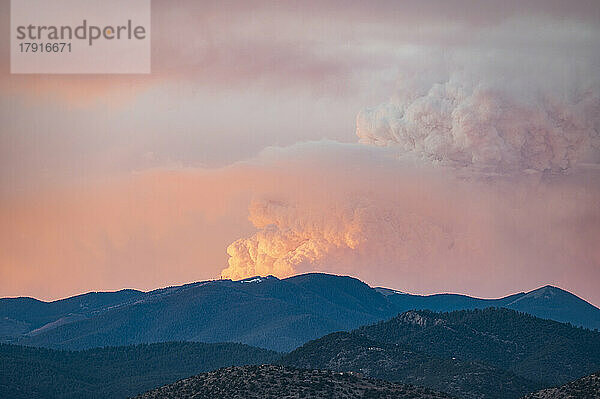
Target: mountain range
(491, 353)
(494, 353)
(267, 312)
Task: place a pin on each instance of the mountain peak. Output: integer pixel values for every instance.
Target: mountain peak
(549, 287)
(546, 292)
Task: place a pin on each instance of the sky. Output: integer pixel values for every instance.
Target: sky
(439, 146)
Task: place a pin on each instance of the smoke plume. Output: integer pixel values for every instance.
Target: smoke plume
(486, 128)
(417, 227)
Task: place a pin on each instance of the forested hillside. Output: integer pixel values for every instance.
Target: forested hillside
(537, 349)
(491, 353)
(587, 387)
(114, 372)
(261, 311)
(277, 382)
(398, 362)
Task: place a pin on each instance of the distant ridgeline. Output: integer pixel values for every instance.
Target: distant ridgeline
(266, 312)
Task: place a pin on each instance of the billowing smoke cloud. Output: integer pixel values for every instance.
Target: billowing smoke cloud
(299, 234)
(487, 128)
(288, 237)
(299, 237)
(323, 206)
(455, 197)
(346, 218)
(521, 95)
(416, 227)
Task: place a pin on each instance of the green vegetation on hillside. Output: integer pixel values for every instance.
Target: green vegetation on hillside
(587, 387)
(398, 362)
(491, 353)
(277, 382)
(537, 349)
(113, 372)
(300, 308)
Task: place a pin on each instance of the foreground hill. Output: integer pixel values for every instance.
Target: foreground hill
(113, 372)
(393, 362)
(277, 382)
(264, 312)
(587, 387)
(491, 353)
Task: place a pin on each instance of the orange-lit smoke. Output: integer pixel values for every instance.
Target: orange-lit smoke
(423, 228)
(325, 206)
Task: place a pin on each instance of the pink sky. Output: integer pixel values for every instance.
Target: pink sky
(239, 153)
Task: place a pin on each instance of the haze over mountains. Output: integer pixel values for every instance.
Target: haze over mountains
(263, 311)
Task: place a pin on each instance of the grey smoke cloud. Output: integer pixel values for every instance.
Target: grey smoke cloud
(524, 95)
(484, 127)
